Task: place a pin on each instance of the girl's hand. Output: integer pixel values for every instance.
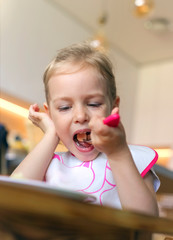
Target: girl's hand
(109, 140)
(40, 119)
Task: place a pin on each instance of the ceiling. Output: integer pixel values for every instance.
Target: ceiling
(126, 32)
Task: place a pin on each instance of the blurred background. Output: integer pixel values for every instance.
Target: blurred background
(137, 35)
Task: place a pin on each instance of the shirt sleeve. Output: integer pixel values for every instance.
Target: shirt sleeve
(144, 159)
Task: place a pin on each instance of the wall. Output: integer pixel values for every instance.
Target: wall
(31, 33)
(127, 81)
(154, 109)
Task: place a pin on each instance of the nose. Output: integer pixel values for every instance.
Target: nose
(80, 115)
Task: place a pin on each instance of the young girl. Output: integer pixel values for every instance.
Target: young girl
(80, 92)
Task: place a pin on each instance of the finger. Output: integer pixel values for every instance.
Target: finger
(31, 109)
(33, 115)
(36, 107)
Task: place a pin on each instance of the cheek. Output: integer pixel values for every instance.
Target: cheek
(61, 124)
(61, 130)
(56, 120)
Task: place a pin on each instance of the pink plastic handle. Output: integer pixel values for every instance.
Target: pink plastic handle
(112, 120)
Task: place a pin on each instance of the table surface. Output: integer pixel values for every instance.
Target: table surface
(34, 213)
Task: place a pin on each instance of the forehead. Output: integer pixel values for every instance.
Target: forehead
(69, 69)
(84, 77)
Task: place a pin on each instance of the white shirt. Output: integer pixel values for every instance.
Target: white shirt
(95, 177)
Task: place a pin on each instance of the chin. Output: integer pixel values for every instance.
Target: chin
(87, 157)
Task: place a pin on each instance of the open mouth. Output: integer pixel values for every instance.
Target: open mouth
(83, 139)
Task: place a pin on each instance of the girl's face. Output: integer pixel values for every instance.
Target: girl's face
(74, 99)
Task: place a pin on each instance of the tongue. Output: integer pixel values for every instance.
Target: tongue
(84, 144)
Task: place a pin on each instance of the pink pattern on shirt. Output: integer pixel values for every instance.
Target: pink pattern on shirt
(89, 165)
(86, 164)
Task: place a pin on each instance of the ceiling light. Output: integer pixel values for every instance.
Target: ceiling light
(143, 7)
(9, 106)
(99, 40)
(158, 25)
(164, 152)
(139, 3)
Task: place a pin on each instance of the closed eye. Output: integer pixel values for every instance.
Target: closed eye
(94, 104)
(64, 108)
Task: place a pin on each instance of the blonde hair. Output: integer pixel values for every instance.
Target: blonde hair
(82, 55)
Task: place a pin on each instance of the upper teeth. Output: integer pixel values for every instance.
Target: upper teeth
(83, 136)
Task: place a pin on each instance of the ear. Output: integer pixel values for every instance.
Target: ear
(116, 102)
(46, 108)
